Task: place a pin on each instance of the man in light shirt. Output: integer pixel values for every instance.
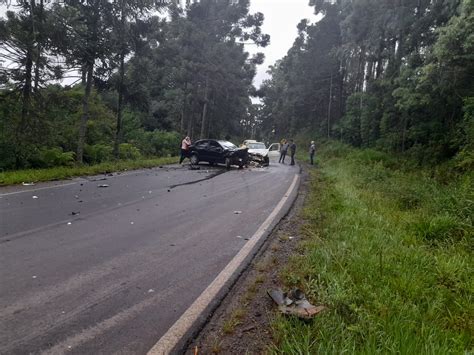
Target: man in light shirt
(185, 144)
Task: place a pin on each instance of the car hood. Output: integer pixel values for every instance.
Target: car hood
(259, 151)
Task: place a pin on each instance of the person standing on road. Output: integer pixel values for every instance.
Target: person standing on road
(185, 144)
(312, 150)
(292, 151)
(283, 150)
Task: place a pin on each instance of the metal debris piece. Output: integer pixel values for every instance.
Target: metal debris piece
(103, 185)
(27, 183)
(294, 303)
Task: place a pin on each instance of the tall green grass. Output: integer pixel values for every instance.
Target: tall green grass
(63, 172)
(389, 250)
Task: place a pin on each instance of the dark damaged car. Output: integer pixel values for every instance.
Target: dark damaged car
(217, 152)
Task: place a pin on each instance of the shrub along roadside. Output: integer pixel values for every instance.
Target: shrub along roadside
(64, 172)
(389, 251)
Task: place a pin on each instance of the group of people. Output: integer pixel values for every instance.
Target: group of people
(291, 146)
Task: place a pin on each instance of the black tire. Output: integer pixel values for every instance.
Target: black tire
(228, 163)
(194, 159)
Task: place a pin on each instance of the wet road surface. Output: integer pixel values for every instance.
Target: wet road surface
(86, 269)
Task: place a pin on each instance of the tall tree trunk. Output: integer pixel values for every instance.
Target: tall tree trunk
(204, 110)
(119, 131)
(329, 108)
(183, 109)
(85, 113)
(39, 49)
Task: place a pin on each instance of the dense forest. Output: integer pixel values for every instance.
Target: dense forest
(140, 74)
(394, 75)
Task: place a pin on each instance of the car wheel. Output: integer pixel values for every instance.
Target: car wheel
(194, 159)
(227, 163)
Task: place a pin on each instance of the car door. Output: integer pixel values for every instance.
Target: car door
(215, 152)
(274, 150)
(202, 149)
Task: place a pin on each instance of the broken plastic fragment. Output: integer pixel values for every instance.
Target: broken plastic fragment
(69, 223)
(35, 197)
(151, 290)
(294, 303)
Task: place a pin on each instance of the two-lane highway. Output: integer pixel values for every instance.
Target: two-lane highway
(87, 269)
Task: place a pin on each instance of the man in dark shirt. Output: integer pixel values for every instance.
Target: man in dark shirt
(292, 151)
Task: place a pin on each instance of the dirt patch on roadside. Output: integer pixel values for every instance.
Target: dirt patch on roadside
(241, 324)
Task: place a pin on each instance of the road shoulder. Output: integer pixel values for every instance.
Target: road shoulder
(242, 322)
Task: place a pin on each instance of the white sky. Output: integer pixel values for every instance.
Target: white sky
(281, 18)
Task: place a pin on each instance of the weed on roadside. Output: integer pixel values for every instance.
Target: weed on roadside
(389, 251)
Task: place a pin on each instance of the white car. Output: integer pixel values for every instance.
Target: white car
(259, 153)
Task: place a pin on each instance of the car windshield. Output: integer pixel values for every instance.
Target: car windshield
(226, 144)
(256, 146)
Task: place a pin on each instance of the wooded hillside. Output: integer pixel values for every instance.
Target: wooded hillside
(395, 75)
(138, 78)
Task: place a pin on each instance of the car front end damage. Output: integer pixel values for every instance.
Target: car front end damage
(258, 159)
(237, 157)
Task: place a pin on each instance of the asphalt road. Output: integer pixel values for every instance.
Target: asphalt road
(87, 269)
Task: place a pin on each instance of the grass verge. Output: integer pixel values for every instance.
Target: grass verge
(60, 173)
(390, 251)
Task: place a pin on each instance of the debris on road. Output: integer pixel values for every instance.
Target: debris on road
(74, 213)
(294, 303)
(151, 290)
(27, 183)
(103, 185)
(34, 277)
(237, 212)
(69, 223)
(35, 197)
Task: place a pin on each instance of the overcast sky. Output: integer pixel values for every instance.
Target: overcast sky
(281, 18)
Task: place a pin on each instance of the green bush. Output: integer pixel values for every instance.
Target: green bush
(156, 143)
(129, 152)
(49, 157)
(7, 156)
(97, 153)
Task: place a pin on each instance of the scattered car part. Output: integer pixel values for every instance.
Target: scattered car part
(294, 303)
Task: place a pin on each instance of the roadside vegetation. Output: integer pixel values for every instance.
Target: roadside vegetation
(388, 248)
(65, 172)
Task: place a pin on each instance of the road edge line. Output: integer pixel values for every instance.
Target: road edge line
(170, 340)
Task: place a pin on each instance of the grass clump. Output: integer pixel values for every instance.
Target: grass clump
(65, 172)
(389, 251)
